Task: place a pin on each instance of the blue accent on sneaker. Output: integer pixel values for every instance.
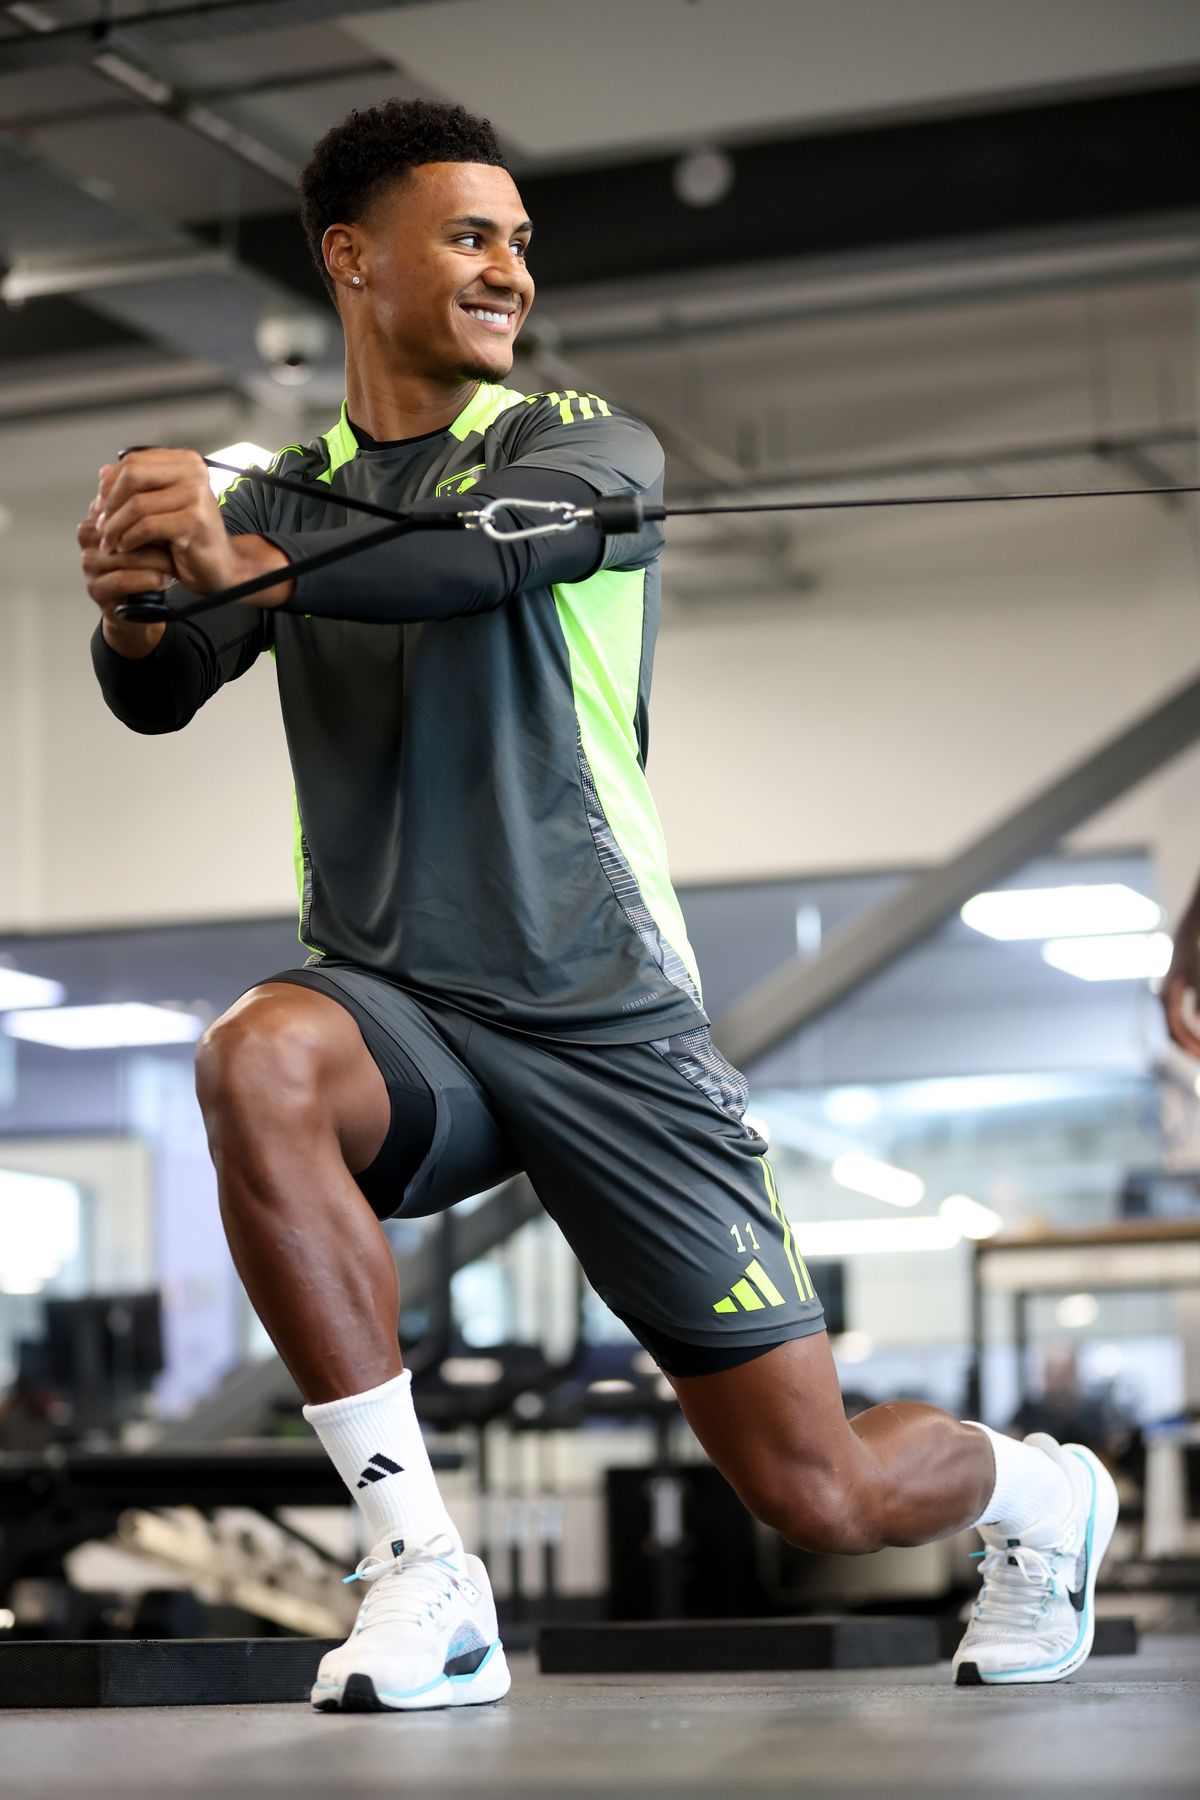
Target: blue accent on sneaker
(1085, 1611)
(454, 1680)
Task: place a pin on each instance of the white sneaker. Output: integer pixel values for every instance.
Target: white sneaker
(1035, 1618)
(425, 1635)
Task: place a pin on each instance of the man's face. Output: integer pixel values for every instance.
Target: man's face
(444, 255)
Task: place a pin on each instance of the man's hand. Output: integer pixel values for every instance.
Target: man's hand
(1183, 979)
(112, 579)
(161, 500)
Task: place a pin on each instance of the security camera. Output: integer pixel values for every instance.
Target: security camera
(291, 342)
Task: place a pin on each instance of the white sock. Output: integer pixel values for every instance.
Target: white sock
(1030, 1486)
(375, 1443)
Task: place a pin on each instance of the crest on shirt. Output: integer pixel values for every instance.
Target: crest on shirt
(458, 484)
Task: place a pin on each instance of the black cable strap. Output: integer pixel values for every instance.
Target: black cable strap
(614, 514)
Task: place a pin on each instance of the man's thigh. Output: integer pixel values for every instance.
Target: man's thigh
(640, 1154)
(444, 1141)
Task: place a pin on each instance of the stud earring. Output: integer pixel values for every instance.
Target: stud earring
(356, 281)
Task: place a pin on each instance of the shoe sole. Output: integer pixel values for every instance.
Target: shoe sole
(1101, 1524)
(358, 1693)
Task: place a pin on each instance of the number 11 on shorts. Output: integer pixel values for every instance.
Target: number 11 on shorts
(736, 1235)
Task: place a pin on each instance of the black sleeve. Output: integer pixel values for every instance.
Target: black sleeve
(446, 574)
(193, 658)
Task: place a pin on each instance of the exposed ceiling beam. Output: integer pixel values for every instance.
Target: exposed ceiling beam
(43, 41)
(290, 83)
(760, 296)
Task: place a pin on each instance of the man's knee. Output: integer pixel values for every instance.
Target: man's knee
(262, 1059)
(827, 1512)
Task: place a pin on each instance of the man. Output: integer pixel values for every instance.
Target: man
(500, 976)
(1182, 981)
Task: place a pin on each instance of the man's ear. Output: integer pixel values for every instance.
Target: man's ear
(343, 253)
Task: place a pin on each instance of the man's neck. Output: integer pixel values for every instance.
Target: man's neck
(402, 406)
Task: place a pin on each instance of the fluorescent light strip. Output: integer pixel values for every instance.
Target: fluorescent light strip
(1134, 956)
(1101, 908)
(969, 1217)
(109, 1027)
(869, 1237)
(851, 1106)
(19, 989)
(878, 1180)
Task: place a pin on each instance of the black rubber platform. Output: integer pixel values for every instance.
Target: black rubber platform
(728, 1645)
(159, 1671)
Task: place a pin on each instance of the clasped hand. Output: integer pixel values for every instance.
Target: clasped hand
(155, 518)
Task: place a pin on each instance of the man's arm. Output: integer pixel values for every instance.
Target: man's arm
(161, 497)
(447, 574)
(154, 679)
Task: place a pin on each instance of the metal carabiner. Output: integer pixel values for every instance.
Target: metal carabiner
(484, 519)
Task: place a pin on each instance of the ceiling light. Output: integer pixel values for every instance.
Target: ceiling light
(878, 1179)
(242, 456)
(969, 1217)
(867, 1237)
(1078, 911)
(1134, 956)
(112, 1027)
(19, 989)
(851, 1106)
(1075, 1312)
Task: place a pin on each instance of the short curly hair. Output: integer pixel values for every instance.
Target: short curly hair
(368, 149)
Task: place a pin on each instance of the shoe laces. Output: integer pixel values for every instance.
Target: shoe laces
(411, 1589)
(1019, 1583)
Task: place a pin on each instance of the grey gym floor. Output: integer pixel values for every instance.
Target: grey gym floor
(1128, 1726)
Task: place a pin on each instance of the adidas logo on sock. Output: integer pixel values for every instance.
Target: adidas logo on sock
(385, 1468)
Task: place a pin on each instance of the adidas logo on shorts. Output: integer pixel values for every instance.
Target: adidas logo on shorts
(752, 1293)
(384, 1467)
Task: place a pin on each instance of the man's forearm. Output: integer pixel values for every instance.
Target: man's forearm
(153, 690)
(133, 642)
(443, 574)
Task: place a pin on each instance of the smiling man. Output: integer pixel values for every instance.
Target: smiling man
(499, 976)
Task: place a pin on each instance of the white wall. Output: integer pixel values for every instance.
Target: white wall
(924, 692)
(98, 825)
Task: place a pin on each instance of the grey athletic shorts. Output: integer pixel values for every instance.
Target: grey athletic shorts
(637, 1151)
